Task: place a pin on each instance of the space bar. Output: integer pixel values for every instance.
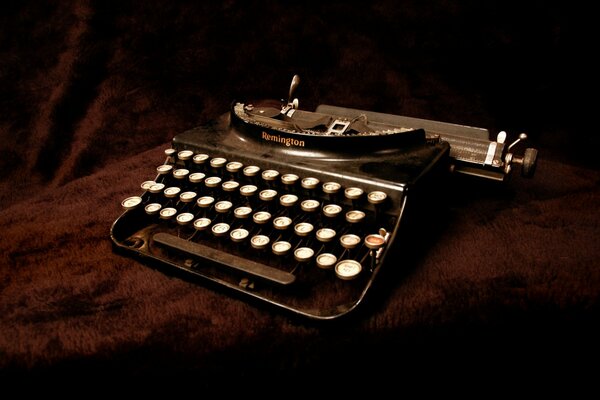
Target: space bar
(226, 259)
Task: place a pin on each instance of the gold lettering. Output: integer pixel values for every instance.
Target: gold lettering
(283, 140)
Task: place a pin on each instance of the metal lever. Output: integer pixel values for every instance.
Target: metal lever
(528, 161)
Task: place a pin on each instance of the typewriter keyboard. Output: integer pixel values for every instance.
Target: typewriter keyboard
(305, 239)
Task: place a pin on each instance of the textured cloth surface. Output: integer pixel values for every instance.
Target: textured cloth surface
(91, 93)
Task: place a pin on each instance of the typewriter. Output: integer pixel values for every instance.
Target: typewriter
(299, 209)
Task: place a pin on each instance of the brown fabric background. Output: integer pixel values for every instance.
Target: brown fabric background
(506, 286)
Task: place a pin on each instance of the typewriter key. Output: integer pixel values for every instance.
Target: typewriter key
(267, 195)
(147, 185)
(355, 216)
(376, 197)
(218, 162)
(223, 206)
(184, 218)
(212, 181)
(251, 170)
(303, 254)
(309, 205)
(239, 235)
(230, 186)
(152, 208)
(172, 192)
(349, 241)
(353, 193)
(303, 229)
(202, 223)
(259, 242)
(196, 177)
(167, 213)
(170, 152)
(220, 229)
(205, 201)
(348, 269)
(164, 169)
(326, 260)
(181, 173)
(234, 166)
(131, 202)
(331, 187)
(248, 190)
(332, 210)
(282, 223)
(261, 217)
(325, 235)
(200, 159)
(374, 241)
(242, 212)
(310, 183)
(187, 197)
(281, 248)
(270, 175)
(185, 155)
(289, 179)
(288, 200)
(157, 188)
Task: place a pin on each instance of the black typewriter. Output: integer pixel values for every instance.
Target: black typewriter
(299, 209)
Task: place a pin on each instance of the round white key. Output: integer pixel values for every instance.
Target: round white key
(281, 248)
(349, 241)
(170, 152)
(376, 197)
(303, 228)
(355, 216)
(326, 260)
(261, 217)
(131, 202)
(242, 212)
(259, 242)
(331, 187)
(185, 155)
(156, 188)
(270, 175)
(181, 173)
(234, 166)
(172, 192)
(218, 162)
(196, 177)
(288, 200)
(220, 229)
(152, 208)
(310, 205)
(303, 254)
(184, 218)
(202, 223)
(353, 193)
(164, 169)
(374, 241)
(223, 206)
(251, 170)
(147, 185)
(332, 210)
(282, 223)
(310, 183)
(205, 201)
(239, 235)
(212, 181)
(325, 235)
(167, 213)
(348, 269)
(289, 179)
(200, 158)
(248, 190)
(187, 197)
(230, 186)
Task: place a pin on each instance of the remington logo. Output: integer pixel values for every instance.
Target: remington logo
(283, 140)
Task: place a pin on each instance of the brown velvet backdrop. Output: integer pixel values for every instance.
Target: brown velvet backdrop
(92, 92)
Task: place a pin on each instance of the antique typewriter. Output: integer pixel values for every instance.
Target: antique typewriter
(299, 209)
